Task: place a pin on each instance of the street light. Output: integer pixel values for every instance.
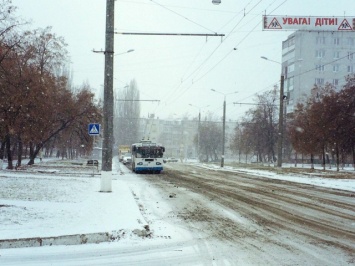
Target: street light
(198, 129)
(281, 114)
(129, 51)
(224, 122)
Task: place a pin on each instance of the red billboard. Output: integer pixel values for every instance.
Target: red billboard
(310, 23)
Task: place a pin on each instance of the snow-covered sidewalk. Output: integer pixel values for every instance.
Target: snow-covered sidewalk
(49, 205)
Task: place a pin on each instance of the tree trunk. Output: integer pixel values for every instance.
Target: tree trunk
(2, 149)
(337, 156)
(19, 152)
(328, 161)
(32, 158)
(323, 159)
(312, 161)
(9, 155)
(296, 159)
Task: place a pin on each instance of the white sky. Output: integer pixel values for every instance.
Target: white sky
(178, 71)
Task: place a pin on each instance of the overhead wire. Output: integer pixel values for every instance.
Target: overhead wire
(300, 74)
(277, 7)
(211, 54)
(181, 94)
(223, 58)
(237, 45)
(176, 13)
(163, 6)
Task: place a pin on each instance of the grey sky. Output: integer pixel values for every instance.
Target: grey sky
(178, 71)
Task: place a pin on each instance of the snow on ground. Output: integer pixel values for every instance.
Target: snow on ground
(36, 204)
(343, 184)
(42, 204)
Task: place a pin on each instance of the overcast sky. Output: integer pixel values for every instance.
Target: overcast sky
(178, 70)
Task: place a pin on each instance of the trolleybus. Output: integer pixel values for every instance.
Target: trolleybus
(147, 157)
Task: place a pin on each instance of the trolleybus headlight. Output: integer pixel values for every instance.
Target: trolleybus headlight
(158, 163)
(140, 163)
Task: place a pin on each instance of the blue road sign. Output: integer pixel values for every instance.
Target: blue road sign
(94, 129)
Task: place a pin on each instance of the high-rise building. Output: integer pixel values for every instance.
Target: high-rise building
(312, 58)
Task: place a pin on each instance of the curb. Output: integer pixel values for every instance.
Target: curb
(76, 239)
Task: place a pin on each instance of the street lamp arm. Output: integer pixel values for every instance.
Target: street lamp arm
(225, 94)
(128, 51)
(267, 59)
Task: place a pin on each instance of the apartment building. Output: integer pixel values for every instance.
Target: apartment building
(312, 58)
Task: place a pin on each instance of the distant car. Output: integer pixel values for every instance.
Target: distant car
(93, 162)
(127, 158)
(170, 160)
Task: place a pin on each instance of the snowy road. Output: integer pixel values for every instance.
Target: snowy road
(198, 215)
(277, 222)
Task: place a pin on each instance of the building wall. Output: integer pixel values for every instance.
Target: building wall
(316, 58)
(177, 136)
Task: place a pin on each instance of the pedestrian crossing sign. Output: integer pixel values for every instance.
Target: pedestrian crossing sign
(94, 129)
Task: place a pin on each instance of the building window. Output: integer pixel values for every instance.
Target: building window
(336, 55)
(290, 95)
(319, 81)
(350, 69)
(290, 68)
(335, 68)
(336, 41)
(320, 68)
(335, 82)
(350, 55)
(289, 83)
(320, 40)
(320, 53)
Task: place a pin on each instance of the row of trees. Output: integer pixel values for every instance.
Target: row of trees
(323, 125)
(209, 141)
(257, 132)
(38, 105)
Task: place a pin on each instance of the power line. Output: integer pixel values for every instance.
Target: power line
(235, 48)
(181, 15)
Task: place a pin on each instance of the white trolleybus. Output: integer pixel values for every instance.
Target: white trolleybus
(147, 157)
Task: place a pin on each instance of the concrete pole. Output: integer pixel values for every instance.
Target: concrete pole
(224, 131)
(106, 173)
(198, 135)
(281, 119)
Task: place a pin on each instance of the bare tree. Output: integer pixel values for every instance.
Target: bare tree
(259, 128)
(210, 139)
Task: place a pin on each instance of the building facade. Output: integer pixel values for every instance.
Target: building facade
(315, 58)
(178, 136)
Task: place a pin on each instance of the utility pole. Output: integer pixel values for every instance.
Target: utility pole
(281, 119)
(224, 123)
(198, 128)
(224, 130)
(106, 173)
(198, 135)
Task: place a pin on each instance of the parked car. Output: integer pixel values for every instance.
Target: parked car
(170, 160)
(127, 158)
(93, 162)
